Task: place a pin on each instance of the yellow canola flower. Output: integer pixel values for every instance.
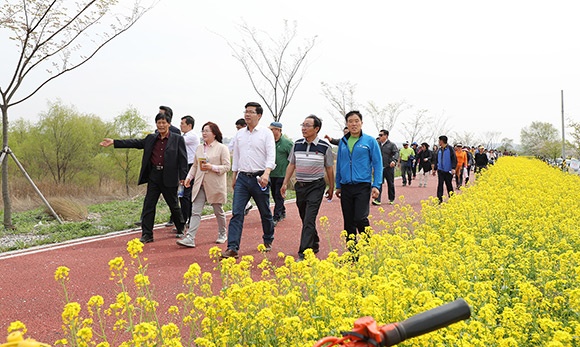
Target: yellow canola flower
(61, 273)
(71, 312)
(134, 248)
(141, 280)
(509, 244)
(116, 264)
(17, 326)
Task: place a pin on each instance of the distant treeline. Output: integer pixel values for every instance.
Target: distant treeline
(63, 147)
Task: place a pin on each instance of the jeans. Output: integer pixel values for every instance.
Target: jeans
(459, 177)
(389, 176)
(354, 201)
(196, 211)
(246, 187)
(279, 208)
(155, 187)
(444, 178)
(308, 199)
(406, 172)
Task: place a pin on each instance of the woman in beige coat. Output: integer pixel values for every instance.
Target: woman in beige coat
(208, 173)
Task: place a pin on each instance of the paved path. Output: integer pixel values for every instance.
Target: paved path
(29, 293)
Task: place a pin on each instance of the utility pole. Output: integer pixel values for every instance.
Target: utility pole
(563, 129)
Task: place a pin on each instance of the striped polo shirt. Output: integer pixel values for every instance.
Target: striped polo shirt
(311, 159)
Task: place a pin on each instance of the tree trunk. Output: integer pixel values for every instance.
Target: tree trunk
(5, 188)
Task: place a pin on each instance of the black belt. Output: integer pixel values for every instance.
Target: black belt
(158, 167)
(252, 174)
(304, 184)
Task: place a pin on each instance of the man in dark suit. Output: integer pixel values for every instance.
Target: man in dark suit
(163, 167)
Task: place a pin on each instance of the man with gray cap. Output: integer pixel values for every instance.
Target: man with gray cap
(283, 148)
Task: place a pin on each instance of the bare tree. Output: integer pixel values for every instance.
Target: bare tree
(438, 126)
(491, 138)
(466, 138)
(415, 127)
(275, 66)
(386, 117)
(52, 38)
(341, 99)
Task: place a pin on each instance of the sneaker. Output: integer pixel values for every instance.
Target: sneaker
(247, 210)
(404, 184)
(230, 253)
(392, 202)
(275, 222)
(186, 241)
(169, 224)
(222, 239)
(268, 247)
(376, 203)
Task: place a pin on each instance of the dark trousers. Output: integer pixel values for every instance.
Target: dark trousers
(185, 201)
(389, 176)
(444, 178)
(156, 187)
(459, 177)
(354, 201)
(308, 199)
(406, 172)
(279, 208)
(247, 187)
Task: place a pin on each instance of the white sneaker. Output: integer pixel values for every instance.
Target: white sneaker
(187, 241)
(222, 239)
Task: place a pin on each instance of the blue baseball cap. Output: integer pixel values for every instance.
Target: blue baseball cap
(276, 125)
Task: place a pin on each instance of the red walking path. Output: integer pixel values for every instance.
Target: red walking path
(29, 293)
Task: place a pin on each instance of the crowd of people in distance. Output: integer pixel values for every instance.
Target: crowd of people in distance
(190, 173)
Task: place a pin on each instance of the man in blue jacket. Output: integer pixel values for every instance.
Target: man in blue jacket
(359, 173)
(444, 164)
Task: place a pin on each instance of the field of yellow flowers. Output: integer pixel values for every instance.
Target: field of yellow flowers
(509, 245)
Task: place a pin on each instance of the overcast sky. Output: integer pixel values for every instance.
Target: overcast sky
(487, 66)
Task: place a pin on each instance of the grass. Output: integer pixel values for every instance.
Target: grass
(35, 227)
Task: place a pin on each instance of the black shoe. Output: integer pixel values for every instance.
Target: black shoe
(247, 210)
(169, 224)
(275, 222)
(145, 239)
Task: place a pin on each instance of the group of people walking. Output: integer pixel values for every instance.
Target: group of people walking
(190, 174)
(442, 160)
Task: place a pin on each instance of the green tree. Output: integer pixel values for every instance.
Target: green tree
(540, 139)
(128, 125)
(575, 143)
(65, 142)
(52, 37)
(507, 144)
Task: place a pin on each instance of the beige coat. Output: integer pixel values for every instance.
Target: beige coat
(214, 183)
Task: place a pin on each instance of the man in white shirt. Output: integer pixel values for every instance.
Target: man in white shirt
(191, 143)
(254, 159)
(240, 124)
